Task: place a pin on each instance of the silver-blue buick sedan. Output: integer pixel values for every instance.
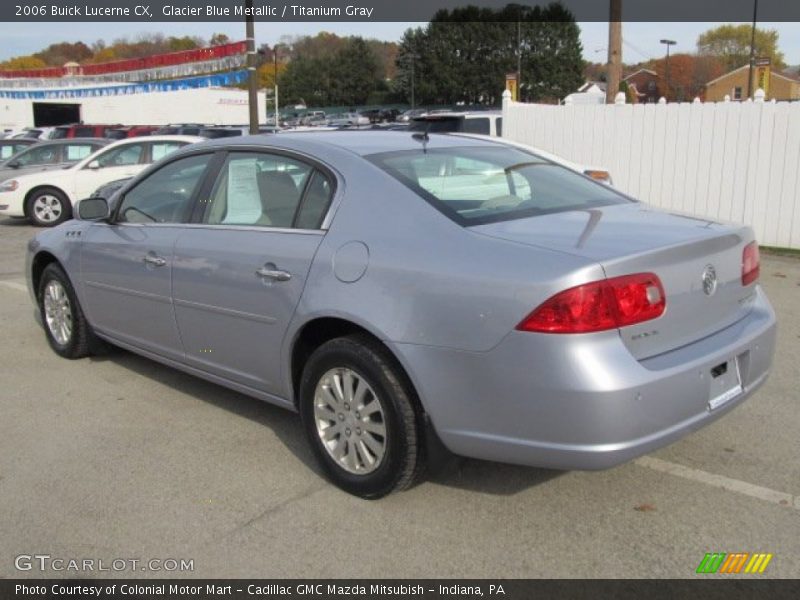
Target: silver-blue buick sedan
(398, 288)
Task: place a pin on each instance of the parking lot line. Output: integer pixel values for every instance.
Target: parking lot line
(720, 481)
(14, 285)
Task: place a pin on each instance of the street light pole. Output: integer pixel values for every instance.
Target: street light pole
(668, 44)
(752, 51)
(252, 80)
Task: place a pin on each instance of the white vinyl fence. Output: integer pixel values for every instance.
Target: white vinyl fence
(730, 161)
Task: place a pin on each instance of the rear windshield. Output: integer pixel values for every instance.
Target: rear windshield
(477, 185)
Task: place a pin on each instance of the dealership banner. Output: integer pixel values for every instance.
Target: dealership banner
(217, 80)
(392, 589)
(377, 10)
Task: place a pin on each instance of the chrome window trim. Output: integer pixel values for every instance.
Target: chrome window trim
(261, 228)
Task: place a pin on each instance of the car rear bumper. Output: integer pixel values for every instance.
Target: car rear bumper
(582, 401)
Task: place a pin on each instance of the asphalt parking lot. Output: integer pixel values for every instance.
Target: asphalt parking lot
(117, 457)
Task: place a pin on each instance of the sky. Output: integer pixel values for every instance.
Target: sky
(640, 40)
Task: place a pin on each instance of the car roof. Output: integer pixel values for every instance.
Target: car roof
(361, 142)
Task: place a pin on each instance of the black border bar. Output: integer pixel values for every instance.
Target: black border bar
(379, 10)
(705, 587)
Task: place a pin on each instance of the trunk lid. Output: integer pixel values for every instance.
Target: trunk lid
(635, 238)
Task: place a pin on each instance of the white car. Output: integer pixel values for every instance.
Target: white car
(47, 198)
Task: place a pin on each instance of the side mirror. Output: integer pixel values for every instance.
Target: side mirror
(14, 164)
(93, 209)
(95, 164)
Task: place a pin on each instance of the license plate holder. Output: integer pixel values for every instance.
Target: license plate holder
(725, 383)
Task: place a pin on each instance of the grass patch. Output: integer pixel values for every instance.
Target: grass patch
(772, 250)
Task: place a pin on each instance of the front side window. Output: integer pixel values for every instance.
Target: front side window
(476, 185)
(42, 155)
(258, 189)
(81, 132)
(165, 196)
(130, 154)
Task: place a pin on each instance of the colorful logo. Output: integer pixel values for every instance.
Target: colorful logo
(736, 562)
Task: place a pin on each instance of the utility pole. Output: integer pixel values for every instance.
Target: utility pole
(252, 80)
(614, 66)
(666, 67)
(275, 57)
(519, 59)
(752, 51)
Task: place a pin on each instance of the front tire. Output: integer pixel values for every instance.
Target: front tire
(67, 330)
(48, 207)
(360, 416)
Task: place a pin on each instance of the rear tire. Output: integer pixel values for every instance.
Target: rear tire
(67, 330)
(48, 207)
(361, 418)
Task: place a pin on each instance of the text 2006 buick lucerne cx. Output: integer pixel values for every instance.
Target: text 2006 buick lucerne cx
(396, 288)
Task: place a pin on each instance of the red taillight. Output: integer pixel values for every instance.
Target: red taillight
(600, 305)
(751, 263)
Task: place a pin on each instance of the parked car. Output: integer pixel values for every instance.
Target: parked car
(9, 148)
(36, 133)
(81, 130)
(481, 122)
(49, 156)
(181, 129)
(46, 199)
(488, 296)
(348, 119)
(232, 131)
(406, 116)
(120, 133)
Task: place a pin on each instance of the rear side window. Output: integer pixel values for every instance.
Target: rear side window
(129, 154)
(59, 133)
(76, 152)
(476, 185)
(316, 202)
(258, 189)
(160, 149)
(84, 132)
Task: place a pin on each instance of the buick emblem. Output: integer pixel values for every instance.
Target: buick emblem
(709, 280)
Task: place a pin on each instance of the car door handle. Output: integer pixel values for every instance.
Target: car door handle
(270, 271)
(154, 260)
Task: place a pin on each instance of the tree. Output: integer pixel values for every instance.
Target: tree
(219, 39)
(731, 44)
(320, 76)
(688, 75)
(23, 62)
(354, 73)
(463, 55)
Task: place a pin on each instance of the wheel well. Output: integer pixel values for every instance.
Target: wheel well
(40, 262)
(39, 188)
(321, 330)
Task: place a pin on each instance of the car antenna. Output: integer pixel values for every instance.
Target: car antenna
(423, 137)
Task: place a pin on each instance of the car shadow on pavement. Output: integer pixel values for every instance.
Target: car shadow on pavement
(13, 222)
(444, 468)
